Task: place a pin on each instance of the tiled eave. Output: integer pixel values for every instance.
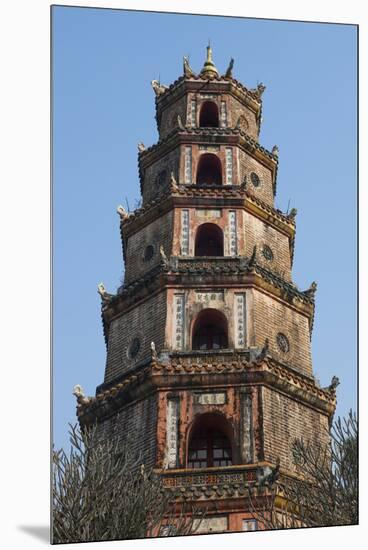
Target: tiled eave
(219, 85)
(216, 270)
(232, 136)
(175, 372)
(207, 196)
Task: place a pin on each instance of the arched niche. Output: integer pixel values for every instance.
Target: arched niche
(209, 171)
(210, 330)
(209, 240)
(209, 115)
(210, 442)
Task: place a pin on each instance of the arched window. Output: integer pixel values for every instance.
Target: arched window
(209, 170)
(210, 330)
(209, 240)
(210, 443)
(209, 115)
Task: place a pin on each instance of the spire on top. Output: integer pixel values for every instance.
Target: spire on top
(209, 70)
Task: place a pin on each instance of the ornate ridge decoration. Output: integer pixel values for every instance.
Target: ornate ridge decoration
(209, 492)
(87, 407)
(253, 94)
(264, 364)
(204, 131)
(229, 266)
(236, 191)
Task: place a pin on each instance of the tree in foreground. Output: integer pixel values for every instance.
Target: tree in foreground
(325, 493)
(102, 491)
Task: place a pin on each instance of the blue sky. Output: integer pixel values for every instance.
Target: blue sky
(103, 105)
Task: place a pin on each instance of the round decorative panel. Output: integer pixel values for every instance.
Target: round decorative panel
(254, 178)
(267, 253)
(134, 347)
(243, 123)
(282, 342)
(148, 253)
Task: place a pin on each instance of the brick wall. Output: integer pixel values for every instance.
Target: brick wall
(135, 425)
(267, 317)
(284, 420)
(236, 109)
(259, 233)
(160, 231)
(169, 117)
(145, 321)
(265, 189)
(157, 176)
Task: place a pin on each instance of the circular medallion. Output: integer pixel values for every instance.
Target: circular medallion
(283, 342)
(254, 178)
(267, 253)
(134, 347)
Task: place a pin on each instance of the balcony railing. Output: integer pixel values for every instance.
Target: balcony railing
(219, 476)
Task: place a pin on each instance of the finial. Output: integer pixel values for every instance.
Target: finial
(293, 212)
(188, 71)
(173, 183)
(311, 291)
(153, 351)
(209, 70)
(105, 296)
(122, 212)
(334, 383)
(79, 394)
(229, 70)
(252, 259)
(158, 88)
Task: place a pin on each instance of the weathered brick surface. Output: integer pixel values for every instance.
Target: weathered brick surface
(285, 420)
(169, 117)
(135, 425)
(159, 232)
(157, 175)
(146, 321)
(268, 317)
(247, 165)
(259, 233)
(236, 109)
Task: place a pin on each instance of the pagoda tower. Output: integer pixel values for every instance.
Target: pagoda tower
(209, 370)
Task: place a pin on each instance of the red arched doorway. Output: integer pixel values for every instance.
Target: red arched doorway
(210, 442)
(210, 330)
(209, 240)
(209, 115)
(209, 170)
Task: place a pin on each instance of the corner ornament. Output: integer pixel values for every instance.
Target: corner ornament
(311, 291)
(105, 296)
(158, 88)
(79, 394)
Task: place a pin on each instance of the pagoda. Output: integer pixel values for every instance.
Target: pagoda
(209, 370)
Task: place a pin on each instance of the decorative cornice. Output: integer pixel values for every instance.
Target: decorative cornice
(251, 203)
(227, 270)
(225, 266)
(179, 369)
(200, 135)
(203, 133)
(200, 80)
